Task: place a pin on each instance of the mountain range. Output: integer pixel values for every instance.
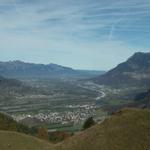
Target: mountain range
(134, 72)
(20, 69)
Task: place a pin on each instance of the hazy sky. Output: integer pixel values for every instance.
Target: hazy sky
(87, 34)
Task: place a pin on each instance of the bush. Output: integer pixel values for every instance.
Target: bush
(88, 123)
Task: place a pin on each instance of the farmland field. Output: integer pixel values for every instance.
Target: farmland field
(60, 104)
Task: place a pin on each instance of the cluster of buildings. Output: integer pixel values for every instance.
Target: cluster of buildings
(76, 115)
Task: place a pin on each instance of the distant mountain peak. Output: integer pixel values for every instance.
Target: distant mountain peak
(139, 56)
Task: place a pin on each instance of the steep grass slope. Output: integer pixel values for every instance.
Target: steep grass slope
(8, 124)
(16, 141)
(128, 129)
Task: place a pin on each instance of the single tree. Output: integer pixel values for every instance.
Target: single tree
(88, 123)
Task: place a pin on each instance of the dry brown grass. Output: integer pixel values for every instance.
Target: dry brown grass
(128, 129)
(16, 141)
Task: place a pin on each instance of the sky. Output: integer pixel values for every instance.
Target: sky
(83, 34)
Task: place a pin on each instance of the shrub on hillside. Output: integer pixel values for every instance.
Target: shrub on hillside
(88, 123)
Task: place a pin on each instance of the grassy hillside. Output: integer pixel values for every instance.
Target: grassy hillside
(17, 141)
(7, 123)
(128, 129)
